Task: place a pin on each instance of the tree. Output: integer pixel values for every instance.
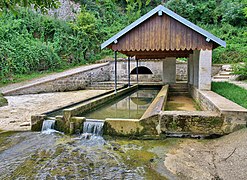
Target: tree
(86, 28)
(12, 5)
(133, 9)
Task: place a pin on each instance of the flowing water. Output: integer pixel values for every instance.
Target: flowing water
(48, 127)
(93, 127)
(130, 106)
(29, 155)
(92, 132)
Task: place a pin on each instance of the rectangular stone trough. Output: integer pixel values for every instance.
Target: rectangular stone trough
(156, 121)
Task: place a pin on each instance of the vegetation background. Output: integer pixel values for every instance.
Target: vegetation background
(34, 43)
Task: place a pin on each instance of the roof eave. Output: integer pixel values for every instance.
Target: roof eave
(171, 14)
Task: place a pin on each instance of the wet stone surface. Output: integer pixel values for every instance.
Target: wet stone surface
(29, 155)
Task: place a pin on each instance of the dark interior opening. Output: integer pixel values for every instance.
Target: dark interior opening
(141, 70)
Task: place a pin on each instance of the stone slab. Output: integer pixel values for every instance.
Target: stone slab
(222, 103)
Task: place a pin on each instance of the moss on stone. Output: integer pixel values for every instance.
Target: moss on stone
(216, 122)
(139, 153)
(5, 142)
(3, 101)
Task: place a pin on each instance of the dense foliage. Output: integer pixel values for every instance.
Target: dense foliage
(227, 20)
(31, 42)
(231, 91)
(13, 5)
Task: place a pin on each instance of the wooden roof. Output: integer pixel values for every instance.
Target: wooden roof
(161, 33)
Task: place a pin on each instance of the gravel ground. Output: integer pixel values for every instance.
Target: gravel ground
(17, 115)
(221, 159)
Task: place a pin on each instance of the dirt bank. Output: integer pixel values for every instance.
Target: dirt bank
(17, 115)
(223, 158)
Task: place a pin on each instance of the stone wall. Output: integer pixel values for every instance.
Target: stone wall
(69, 82)
(234, 116)
(204, 103)
(181, 71)
(195, 122)
(156, 66)
(66, 11)
(104, 72)
(216, 68)
(122, 70)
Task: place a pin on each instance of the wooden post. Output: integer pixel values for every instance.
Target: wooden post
(115, 56)
(137, 71)
(128, 71)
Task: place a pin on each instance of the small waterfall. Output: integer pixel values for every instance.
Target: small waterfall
(48, 126)
(93, 131)
(93, 127)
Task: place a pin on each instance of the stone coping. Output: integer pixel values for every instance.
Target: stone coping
(121, 119)
(83, 107)
(190, 113)
(57, 76)
(223, 104)
(158, 103)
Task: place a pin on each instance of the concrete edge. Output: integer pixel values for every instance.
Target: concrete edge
(80, 108)
(190, 113)
(222, 110)
(158, 103)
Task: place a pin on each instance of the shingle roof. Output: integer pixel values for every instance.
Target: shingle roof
(170, 13)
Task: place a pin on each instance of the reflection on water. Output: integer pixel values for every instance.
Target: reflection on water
(180, 103)
(131, 106)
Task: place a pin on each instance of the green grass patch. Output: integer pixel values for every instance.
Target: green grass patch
(232, 92)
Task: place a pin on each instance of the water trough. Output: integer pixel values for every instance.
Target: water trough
(151, 119)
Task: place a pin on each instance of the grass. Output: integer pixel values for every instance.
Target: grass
(231, 92)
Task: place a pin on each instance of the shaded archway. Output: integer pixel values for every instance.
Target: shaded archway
(141, 70)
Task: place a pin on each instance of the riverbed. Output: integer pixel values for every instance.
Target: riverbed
(32, 155)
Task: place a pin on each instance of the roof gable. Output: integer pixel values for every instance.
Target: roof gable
(161, 9)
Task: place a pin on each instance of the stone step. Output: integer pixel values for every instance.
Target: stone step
(99, 88)
(180, 87)
(105, 84)
(225, 73)
(178, 90)
(228, 69)
(221, 77)
(178, 93)
(177, 87)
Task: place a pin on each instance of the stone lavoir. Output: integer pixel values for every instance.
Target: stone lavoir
(164, 36)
